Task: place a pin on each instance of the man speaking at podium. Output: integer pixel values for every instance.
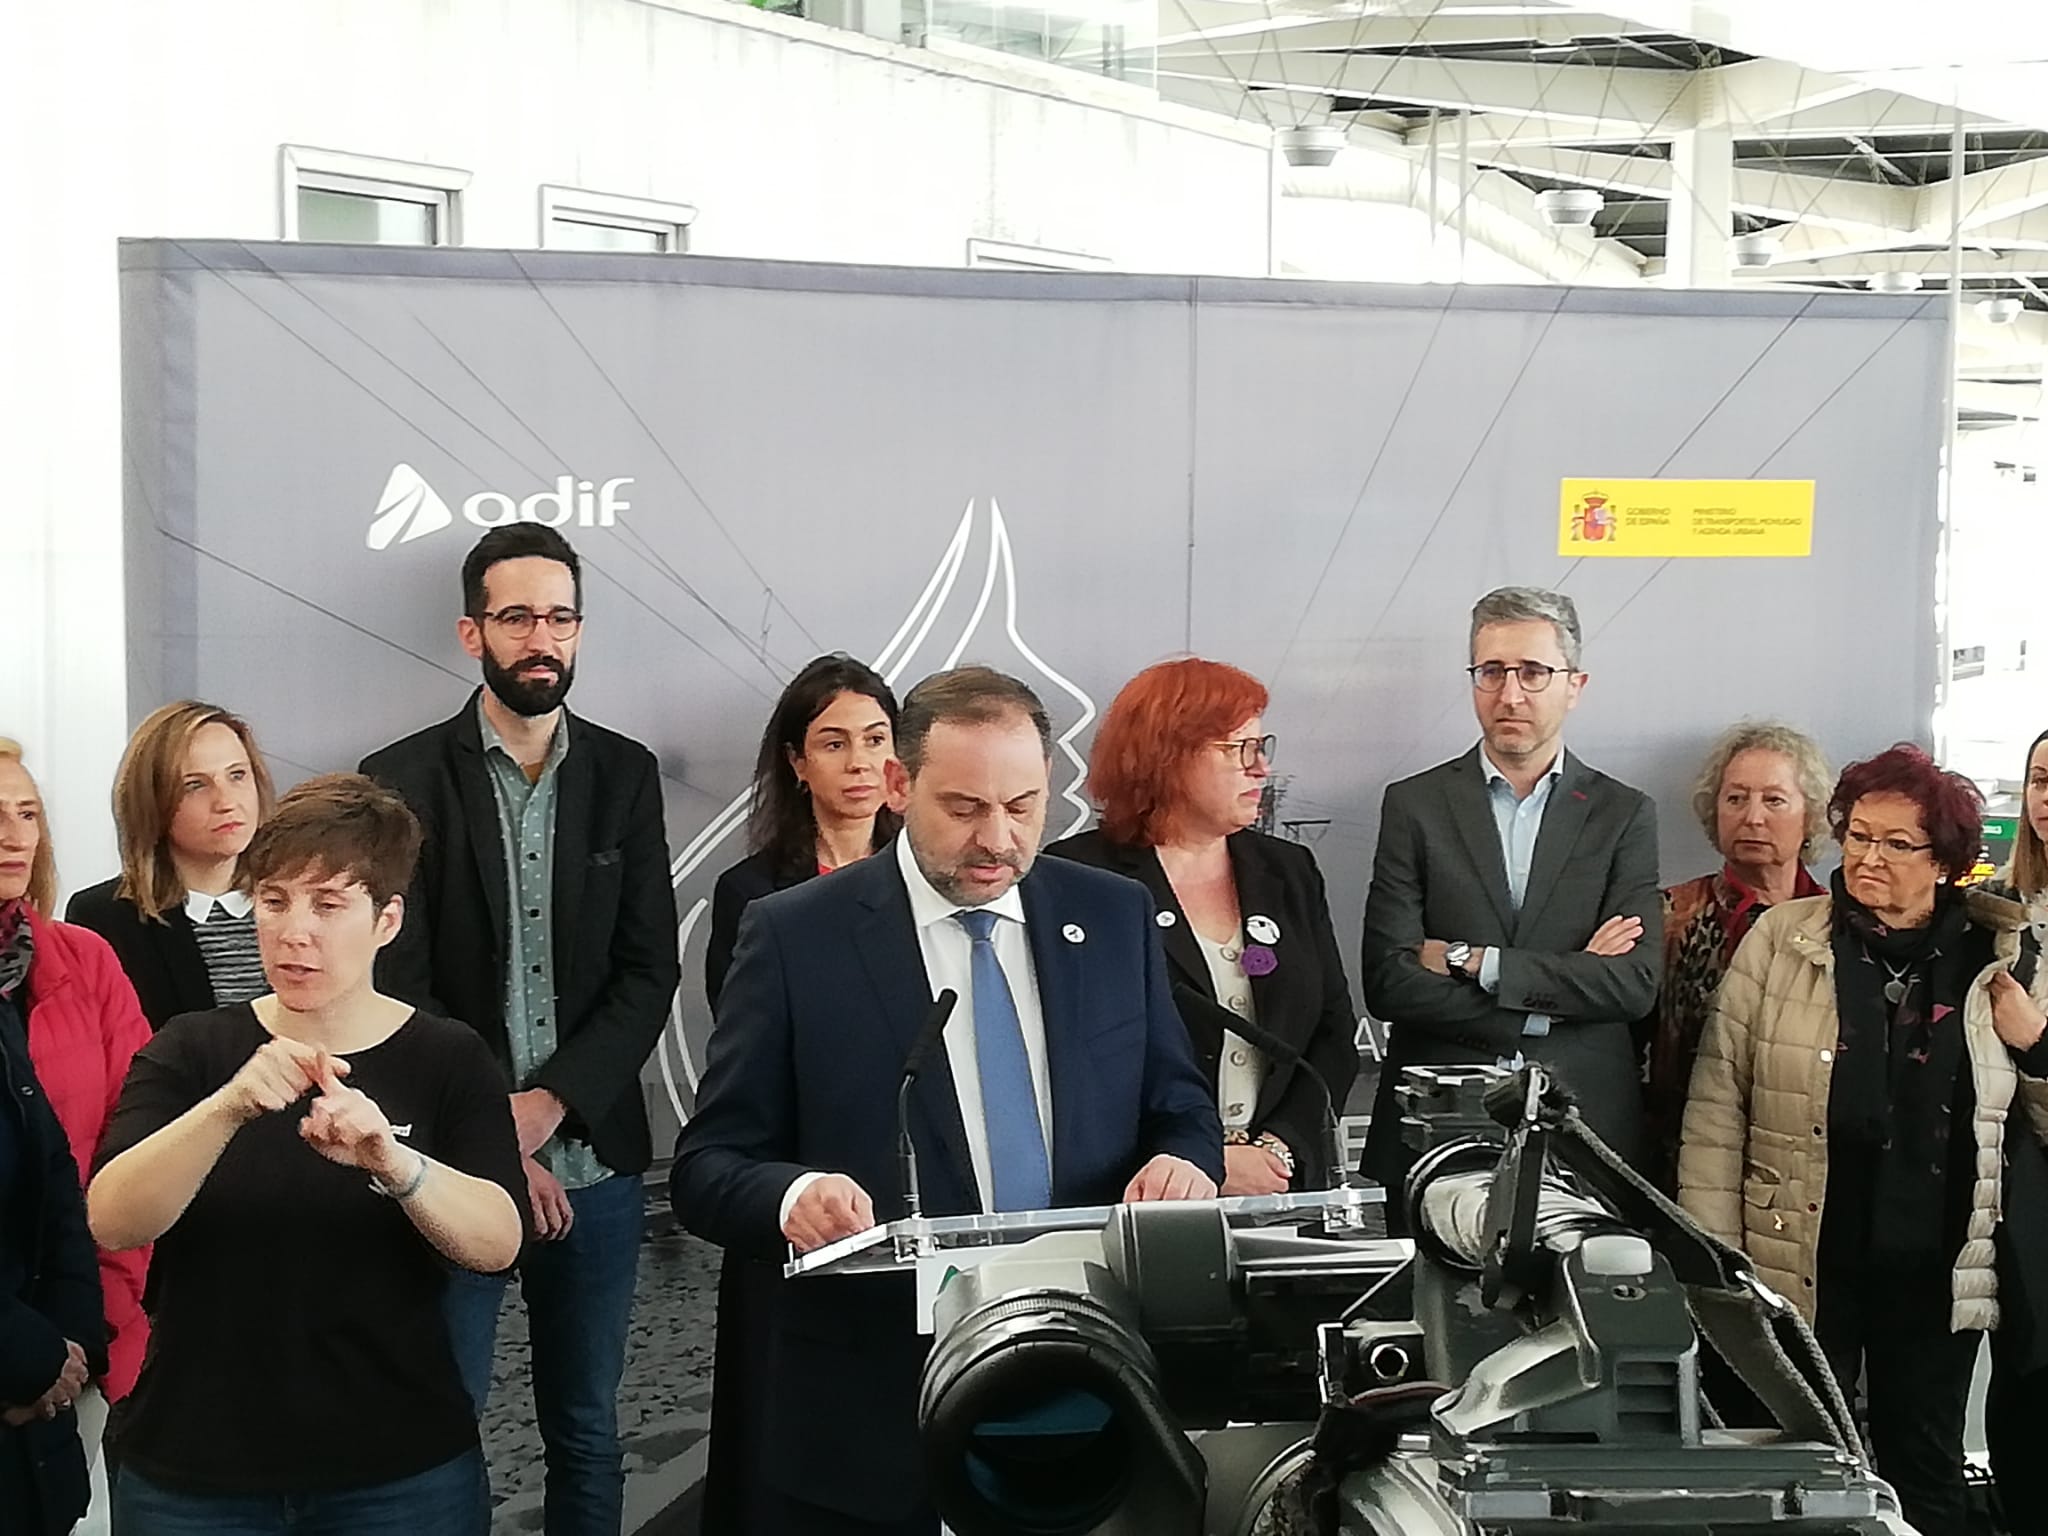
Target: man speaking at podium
(1063, 1078)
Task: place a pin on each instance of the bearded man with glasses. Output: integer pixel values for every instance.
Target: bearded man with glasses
(1514, 912)
(542, 915)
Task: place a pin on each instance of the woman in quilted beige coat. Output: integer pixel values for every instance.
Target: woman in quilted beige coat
(1848, 1110)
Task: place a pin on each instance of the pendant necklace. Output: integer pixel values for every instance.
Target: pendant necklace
(1895, 989)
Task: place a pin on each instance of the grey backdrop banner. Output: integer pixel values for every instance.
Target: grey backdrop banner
(1069, 476)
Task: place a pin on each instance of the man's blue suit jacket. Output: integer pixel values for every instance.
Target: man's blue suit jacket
(824, 1000)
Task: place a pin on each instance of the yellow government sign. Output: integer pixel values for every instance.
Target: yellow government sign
(1663, 519)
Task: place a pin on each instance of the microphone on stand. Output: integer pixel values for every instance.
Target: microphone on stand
(1338, 1176)
(927, 1037)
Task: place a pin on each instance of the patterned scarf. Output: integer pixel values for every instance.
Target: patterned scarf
(1899, 995)
(17, 945)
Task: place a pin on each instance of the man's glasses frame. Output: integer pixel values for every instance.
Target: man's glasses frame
(520, 622)
(1492, 676)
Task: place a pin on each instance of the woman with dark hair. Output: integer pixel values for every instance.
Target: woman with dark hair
(818, 794)
(818, 805)
(190, 793)
(1863, 1060)
(1179, 770)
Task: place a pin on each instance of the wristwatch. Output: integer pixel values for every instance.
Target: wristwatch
(1457, 956)
(1282, 1153)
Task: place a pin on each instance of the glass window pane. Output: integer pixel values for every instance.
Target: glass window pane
(577, 235)
(354, 219)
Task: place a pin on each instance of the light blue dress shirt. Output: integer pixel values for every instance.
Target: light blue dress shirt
(1520, 823)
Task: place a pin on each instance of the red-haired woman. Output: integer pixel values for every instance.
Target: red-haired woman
(1849, 1107)
(1178, 770)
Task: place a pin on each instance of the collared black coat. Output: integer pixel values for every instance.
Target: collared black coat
(1304, 1000)
(614, 916)
(162, 959)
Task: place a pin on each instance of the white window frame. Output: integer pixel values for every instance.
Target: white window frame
(1008, 256)
(439, 187)
(576, 206)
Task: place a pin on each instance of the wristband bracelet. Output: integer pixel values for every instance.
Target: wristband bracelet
(412, 1186)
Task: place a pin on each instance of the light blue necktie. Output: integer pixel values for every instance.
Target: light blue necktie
(1009, 1105)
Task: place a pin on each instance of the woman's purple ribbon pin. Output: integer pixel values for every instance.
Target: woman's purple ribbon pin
(1259, 960)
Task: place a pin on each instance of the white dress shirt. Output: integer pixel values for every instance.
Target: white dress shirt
(948, 962)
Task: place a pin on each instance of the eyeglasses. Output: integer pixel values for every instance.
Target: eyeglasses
(1252, 748)
(1492, 676)
(1893, 850)
(519, 622)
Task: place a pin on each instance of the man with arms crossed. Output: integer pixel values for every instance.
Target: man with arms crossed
(1514, 912)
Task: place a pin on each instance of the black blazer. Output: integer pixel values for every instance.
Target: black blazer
(738, 888)
(1438, 874)
(1305, 999)
(162, 959)
(614, 916)
(826, 994)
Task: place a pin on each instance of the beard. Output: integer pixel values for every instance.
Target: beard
(532, 687)
(950, 880)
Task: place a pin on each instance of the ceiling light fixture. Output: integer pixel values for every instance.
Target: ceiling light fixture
(1569, 207)
(2002, 310)
(1758, 248)
(1312, 143)
(1893, 282)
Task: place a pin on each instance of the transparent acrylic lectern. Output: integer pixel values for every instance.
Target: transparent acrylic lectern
(1271, 1231)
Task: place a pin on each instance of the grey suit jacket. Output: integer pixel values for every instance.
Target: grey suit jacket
(1438, 874)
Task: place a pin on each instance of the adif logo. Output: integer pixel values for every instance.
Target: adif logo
(411, 509)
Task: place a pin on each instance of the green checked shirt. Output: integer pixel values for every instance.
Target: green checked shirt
(526, 818)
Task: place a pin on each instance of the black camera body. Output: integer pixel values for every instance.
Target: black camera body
(1527, 1366)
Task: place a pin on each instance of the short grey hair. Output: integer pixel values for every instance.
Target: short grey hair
(1530, 605)
(1810, 771)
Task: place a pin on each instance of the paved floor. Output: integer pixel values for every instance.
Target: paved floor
(664, 1403)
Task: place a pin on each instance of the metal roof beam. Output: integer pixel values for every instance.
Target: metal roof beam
(1932, 265)
(1767, 193)
(1233, 31)
(1601, 102)
(1759, 92)
(1862, 115)
(1990, 198)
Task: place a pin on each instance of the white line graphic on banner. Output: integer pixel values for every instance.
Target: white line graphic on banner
(894, 663)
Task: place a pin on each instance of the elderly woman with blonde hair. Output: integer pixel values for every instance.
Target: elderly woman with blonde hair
(1761, 798)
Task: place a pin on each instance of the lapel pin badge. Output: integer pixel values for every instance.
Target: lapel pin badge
(1165, 919)
(1072, 933)
(1259, 960)
(1262, 930)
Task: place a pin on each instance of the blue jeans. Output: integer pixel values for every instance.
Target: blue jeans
(579, 1301)
(453, 1498)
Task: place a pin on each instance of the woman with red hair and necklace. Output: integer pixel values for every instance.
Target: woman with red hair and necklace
(1178, 772)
